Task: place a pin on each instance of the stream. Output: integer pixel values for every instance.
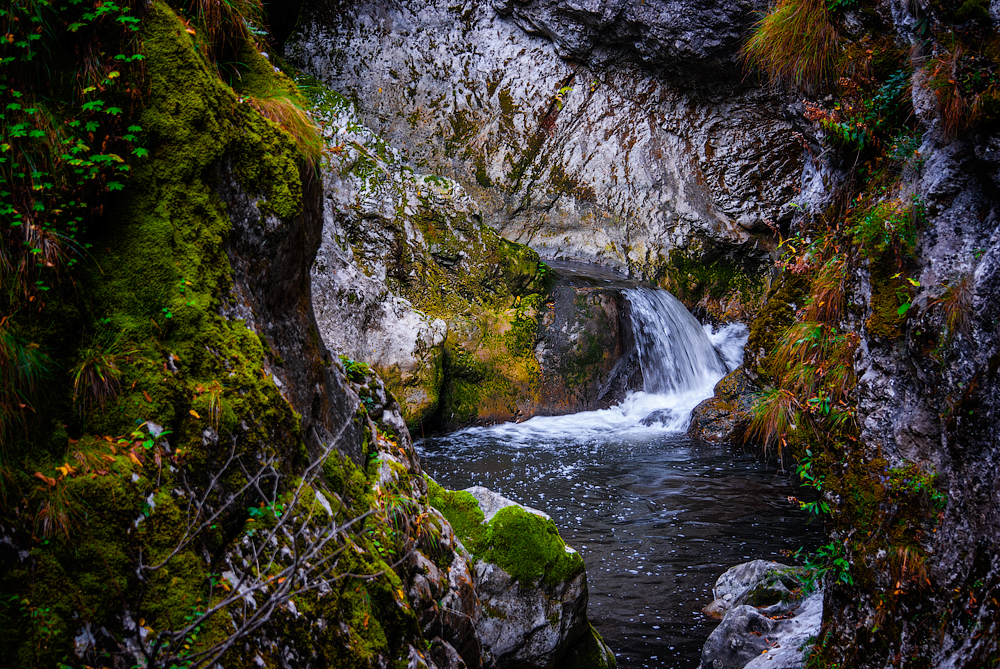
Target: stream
(656, 515)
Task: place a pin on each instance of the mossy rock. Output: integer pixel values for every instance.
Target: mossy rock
(589, 652)
(526, 545)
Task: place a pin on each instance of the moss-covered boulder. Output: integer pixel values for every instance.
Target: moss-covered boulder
(532, 586)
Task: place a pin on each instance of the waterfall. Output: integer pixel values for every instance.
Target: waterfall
(681, 361)
(675, 353)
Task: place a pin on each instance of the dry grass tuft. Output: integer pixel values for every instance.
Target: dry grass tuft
(774, 415)
(956, 303)
(289, 114)
(826, 303)
(225, 22)
(795, 43)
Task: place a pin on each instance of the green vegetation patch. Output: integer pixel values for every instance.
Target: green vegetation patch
(525, 545)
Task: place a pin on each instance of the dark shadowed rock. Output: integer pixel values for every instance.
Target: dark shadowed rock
(681, 36)
(726, 415)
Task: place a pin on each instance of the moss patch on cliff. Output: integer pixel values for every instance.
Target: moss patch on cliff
(712, 278)
(142, 329)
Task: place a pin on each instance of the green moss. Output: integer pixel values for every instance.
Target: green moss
(565, 184)
(529, 548)
(713, 275)
(589, 652)
(482, 176)
(460, 509)
(267, 161)
(507, 110)
(778, 313)
(886, 290)
(525, 545)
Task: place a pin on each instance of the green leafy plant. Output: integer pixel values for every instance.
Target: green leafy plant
(804, 469)
(356, 371)
(829, 559)
(64, 152)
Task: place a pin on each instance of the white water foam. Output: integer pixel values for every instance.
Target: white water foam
(681, 362)
(729, 341)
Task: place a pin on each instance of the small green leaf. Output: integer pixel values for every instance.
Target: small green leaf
(903, 309)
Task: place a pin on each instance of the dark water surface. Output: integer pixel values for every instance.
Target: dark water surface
(657, 517)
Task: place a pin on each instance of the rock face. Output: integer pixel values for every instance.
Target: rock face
(685, 38)
(585, 347)
(577, 160)
(765, 624)
(464, 326)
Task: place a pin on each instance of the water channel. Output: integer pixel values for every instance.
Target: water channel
(656, 515)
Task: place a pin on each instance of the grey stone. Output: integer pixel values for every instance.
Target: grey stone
(559, 154)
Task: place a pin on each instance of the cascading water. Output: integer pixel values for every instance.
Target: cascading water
(679, 360)
(656, 516)
(675, 354)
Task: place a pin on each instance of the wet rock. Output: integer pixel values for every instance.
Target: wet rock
(682, 36)
(767, 621)
(726, 415)
(409, 280)
(759, 583)
(589, 652)
(529, 627)
(585, 349)
(660, 417)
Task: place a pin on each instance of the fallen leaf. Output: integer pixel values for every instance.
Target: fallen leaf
(146, 395)
(48, 479)
(194, 413)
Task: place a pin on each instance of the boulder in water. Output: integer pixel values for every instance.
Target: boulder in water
(531, 587)
(725, 415)
(660, 417)
(766, 623)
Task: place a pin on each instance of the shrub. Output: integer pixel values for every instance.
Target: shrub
(967, 89)
(795, 43)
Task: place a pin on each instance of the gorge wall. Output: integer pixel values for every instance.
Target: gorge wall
(191, 471)
(625, 133)
(670, 179)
